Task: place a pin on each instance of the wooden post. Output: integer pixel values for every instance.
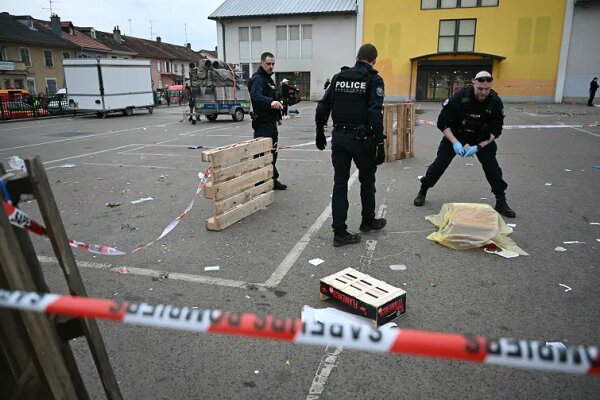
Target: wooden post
(400, 139)
(62, 250)
(388, 131)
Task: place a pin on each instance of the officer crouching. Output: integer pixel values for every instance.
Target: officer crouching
(355, 101)
(473, 116)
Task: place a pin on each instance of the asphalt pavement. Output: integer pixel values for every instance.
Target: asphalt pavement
(263, 259)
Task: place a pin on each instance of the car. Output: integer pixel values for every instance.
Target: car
(58, 104)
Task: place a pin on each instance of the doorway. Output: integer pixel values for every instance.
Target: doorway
(436, 81)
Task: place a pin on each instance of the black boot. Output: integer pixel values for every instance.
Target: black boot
(344, 237)
(372, 225)
(278, 185)
(420, 199)
(503, 209)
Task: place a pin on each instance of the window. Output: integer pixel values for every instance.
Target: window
(31, 86)
(175, 68)
(158, 65)
(435, 4)
(168, 66)
(93, 33)
(66, 55)
(50, 86)
(294, 41)
(244, 35)
(25, 56)
(2, 53)
(48, 61)
(256, 46)
(19, 84)
(457, 35)
(6, 83)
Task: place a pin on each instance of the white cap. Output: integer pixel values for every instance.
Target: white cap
(483, 74)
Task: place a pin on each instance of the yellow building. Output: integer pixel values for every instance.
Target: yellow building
(430, 48)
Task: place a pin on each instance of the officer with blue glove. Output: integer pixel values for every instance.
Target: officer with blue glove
(474, 115)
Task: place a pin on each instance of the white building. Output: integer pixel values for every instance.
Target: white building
(311, 39)
(582, 60)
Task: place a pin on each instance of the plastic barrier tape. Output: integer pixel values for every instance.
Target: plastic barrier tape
(20, 219)
(427, 122)
(528, 354)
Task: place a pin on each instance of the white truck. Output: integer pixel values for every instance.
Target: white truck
(107, 85)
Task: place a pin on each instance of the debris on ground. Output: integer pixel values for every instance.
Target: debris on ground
(316, 261)
(399, 267)
(16, 162)
(113, 205)
(122, 270)
(464, 226)
(566, 287)
(560, 248)
(195, 147)
(213, 268)
(143, 199)
(68, 166)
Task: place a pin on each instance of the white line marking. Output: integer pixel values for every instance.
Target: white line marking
(82, 137)
(87, 154)
(287, 263)
(328, 362)
(299, 159)
(129, 153)
(128, 165)
(580, 130)
(153, 273)
(565, 286)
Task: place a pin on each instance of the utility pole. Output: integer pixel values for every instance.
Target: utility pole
(185, 27)
(129, 26)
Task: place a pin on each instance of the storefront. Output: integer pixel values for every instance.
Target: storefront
(441, 75)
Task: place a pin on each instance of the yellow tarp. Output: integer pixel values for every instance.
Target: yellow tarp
(471, 225)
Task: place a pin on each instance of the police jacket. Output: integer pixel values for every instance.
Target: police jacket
(593, 86)
(262, 93)
(354, 98)
(472, 121)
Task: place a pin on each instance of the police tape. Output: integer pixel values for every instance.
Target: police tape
(526, 354)
(19, 218)
(593, 125)
(291, 146)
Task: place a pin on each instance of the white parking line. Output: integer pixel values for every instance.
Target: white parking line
(128, 165)
(152, 273)
(287, 263)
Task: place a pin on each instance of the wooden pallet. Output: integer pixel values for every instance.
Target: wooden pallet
(242, 181)
(364, 295)
(399, 127)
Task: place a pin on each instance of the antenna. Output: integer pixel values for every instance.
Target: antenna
(52, 10)
(151, 33)
(129, 19)
(185, 27)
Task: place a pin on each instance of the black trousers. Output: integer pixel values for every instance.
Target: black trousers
(591, 98)
(486, 156)
(268, 129)
(345, 148)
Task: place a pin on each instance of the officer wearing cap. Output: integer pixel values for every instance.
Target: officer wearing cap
(355, 101)
(473, 116)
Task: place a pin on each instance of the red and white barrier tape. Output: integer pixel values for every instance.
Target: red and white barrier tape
(19, 218)
(528, 354)
(427, 122)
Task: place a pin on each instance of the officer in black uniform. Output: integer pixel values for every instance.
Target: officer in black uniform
(355, 101)
(266, 108)
(474, 115)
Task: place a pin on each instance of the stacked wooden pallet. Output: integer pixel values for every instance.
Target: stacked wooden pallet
(242, 181)
(399, 126)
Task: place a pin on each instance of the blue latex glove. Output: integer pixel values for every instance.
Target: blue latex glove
(458, 148)
(472, 150)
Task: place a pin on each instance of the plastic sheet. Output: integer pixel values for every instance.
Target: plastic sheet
(471, 225)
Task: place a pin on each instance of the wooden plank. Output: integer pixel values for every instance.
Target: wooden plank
(230, 155)
(388, 124)
(400, 147)
(219, 207)
(58, 237)
(42, 337)
(232, 216)
(209, 190)
(222, 174)
(237, 185)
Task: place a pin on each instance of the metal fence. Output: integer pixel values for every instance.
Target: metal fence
(33, 107)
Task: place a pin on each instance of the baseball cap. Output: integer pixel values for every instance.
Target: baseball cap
(285, 80)
(483, 76)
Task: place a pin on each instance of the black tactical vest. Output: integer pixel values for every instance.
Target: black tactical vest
(475, 120)
(351, 97)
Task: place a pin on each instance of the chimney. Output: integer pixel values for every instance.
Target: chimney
(158, 39)
(55, 22)
(117, 34)
(189, 46)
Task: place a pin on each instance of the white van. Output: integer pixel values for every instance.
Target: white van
(59, 104)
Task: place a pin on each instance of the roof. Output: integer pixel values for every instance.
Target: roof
(486, 56)
(11, 30)
(108, 40)
(77, 37)
(251, 8)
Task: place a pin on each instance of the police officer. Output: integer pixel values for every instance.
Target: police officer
(355, 101)
(266, 108)
(474, 115)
